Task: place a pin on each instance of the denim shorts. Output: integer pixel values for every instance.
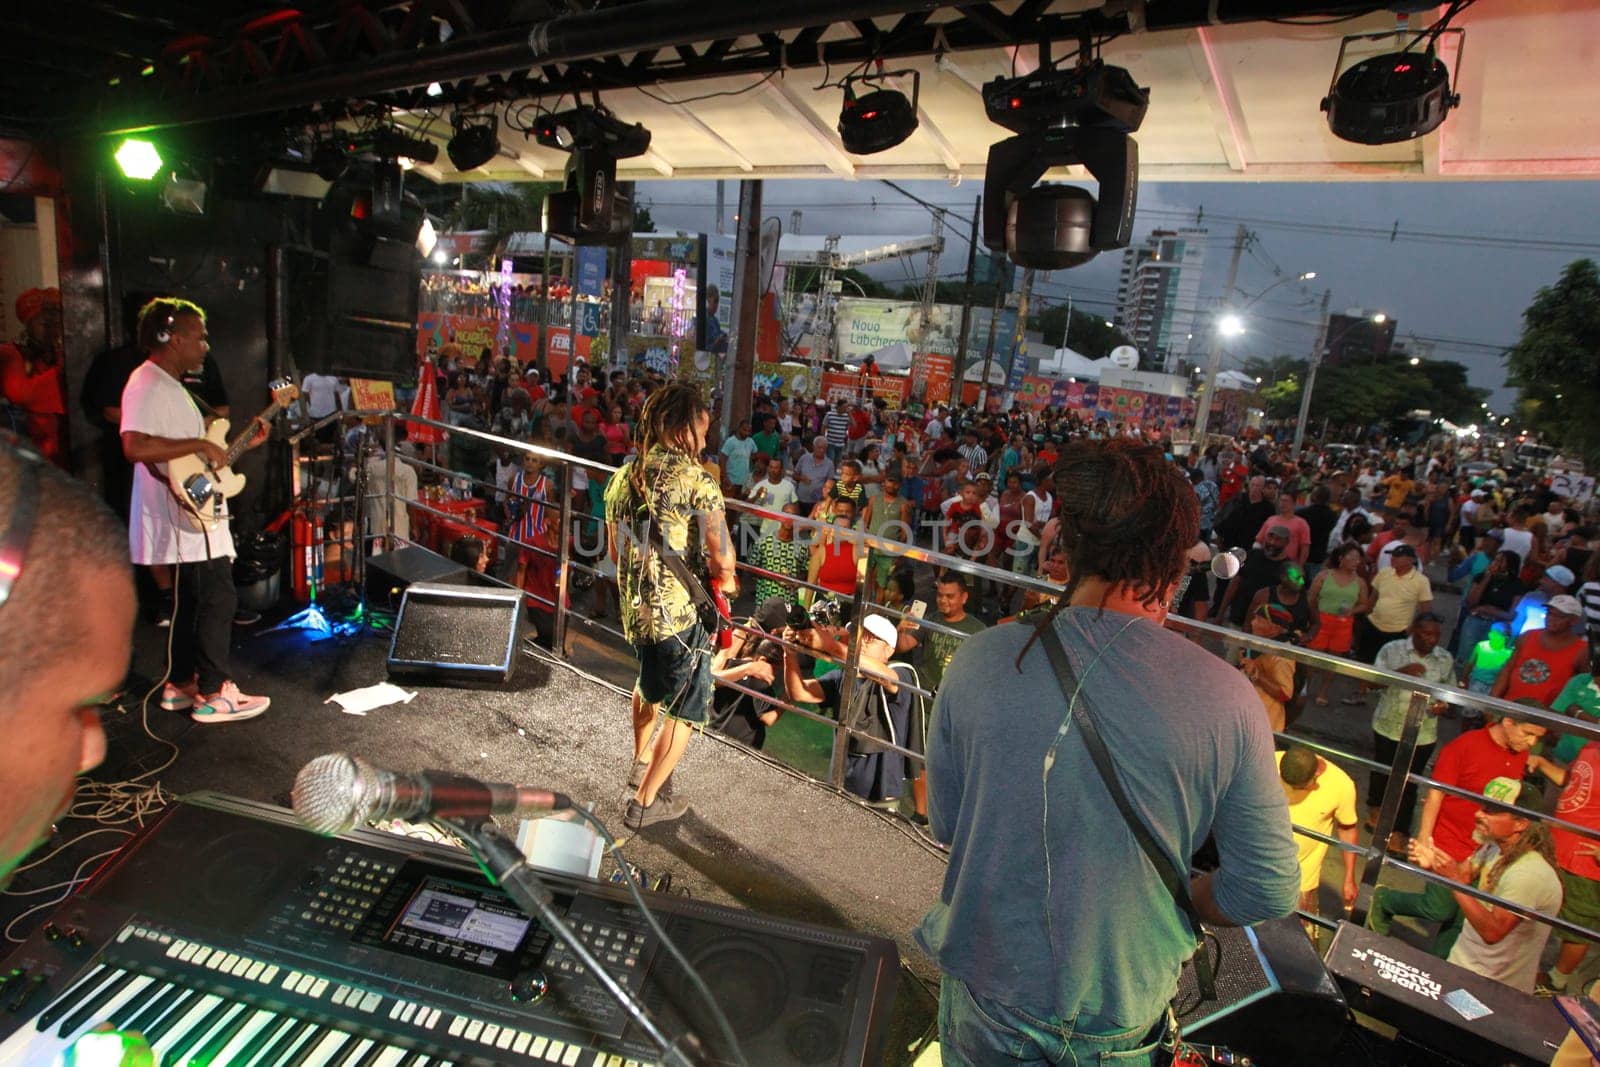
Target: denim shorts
(978, 1032)
(675, 673)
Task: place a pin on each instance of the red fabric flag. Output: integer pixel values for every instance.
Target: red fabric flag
(426, 405)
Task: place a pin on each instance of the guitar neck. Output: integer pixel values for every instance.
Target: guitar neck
(242, 442)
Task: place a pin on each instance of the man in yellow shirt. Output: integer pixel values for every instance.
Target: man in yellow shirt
(1322, 798)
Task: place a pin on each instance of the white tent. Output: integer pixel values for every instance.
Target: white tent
(1233, 379)
(1067, 363)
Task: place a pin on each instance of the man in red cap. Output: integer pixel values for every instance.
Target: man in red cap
(30, 373)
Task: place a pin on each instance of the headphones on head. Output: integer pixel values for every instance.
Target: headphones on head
(164, 334)
(24, 513)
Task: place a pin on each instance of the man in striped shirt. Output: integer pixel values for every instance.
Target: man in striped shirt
(974, 453)
(836, 428)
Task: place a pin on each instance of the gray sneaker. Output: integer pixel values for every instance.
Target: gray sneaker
(636, 775)
(665, 809)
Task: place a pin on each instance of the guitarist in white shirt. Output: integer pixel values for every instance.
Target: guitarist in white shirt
(160, 422)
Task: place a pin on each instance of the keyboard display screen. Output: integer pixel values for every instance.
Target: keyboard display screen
(459, 924)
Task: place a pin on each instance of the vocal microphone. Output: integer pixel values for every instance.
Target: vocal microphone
(338, 792)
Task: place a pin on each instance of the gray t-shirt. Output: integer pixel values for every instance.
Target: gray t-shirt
(1514, 959)
(810, 475)
(1085, 925)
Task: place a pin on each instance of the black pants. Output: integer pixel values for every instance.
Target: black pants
(1370, 640)
(202, 623)
(1383, 751)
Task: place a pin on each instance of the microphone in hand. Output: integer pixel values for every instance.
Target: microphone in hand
(338, 792)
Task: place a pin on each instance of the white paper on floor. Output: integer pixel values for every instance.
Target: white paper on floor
(361, 701)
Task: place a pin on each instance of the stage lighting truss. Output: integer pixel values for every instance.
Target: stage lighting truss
(881, 118)
(1396, 96)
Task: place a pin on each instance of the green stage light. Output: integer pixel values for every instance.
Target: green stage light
(138, 159)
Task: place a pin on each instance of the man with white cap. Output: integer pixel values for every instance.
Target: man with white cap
(1545, 658)
(879, 705)
(1531, 608)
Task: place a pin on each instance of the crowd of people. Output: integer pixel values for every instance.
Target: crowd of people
(815, 502)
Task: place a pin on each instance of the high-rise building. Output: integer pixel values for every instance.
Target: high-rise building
(1358, 335)
(1159, 294)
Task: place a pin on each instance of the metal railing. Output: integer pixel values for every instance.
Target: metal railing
(1402, 772)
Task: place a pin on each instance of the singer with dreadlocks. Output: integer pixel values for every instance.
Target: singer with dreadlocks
(1057, 937)
(663, 500)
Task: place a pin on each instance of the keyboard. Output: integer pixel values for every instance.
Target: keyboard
(229, 936)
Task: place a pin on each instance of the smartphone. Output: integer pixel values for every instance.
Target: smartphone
(918, 609)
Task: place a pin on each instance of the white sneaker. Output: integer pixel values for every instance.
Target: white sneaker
(229, 705)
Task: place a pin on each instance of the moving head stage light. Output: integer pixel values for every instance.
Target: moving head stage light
(1062, 117)
(589, 210)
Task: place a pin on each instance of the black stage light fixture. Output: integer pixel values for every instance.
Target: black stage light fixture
(589, 210)
(1389, 98)
(331, 157)
(1061, 117)
(475, 142)
(882, 118)
(390, 143)
(592, 128)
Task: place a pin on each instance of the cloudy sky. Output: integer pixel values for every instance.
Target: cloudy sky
(1468, 259)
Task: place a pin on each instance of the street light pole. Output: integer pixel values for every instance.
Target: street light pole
(1214, 365)
(1311, 376)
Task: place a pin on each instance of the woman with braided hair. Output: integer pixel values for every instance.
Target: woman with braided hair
(1057, 938)
(664, 497)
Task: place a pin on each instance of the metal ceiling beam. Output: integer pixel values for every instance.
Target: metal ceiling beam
(394, 72)
(1222, 99)
(785, 106)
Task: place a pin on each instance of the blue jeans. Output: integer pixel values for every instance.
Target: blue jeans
(977, 1032)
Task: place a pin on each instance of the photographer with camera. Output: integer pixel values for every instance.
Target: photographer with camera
(880, 704)
(753, 661)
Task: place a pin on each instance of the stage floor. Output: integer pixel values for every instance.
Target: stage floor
(758, 836)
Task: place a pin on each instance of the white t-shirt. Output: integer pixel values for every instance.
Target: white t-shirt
(157, 404)
(322, 394)
(405, 488)
(1514, 959)
(1518, 541)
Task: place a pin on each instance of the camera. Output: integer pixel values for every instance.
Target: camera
(825, 611)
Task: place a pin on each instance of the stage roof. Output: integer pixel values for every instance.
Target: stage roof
(1235, 98)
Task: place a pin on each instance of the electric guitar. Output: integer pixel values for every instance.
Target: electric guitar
(201, 488)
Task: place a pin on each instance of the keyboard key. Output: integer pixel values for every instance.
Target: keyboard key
(170, 1030)
(90, 1008)
(90, 984)
(157, 1009)
(285, 1043)
(244, 1036)
(217, 1019)
(261, 1038)
(137, 1003)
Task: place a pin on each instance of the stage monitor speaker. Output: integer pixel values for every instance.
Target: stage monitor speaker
(456, 633)
(1446, 1013)
(390, 573)
(1276, 1002)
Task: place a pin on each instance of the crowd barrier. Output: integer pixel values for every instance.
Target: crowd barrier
(332, 483)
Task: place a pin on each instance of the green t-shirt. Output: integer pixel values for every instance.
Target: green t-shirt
(768, 443)
(938, 648)
(1581, 697)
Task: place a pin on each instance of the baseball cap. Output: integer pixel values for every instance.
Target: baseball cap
(1562, 576)
(1479, 493)
(880, 627)
(1566, 604)
(1403, 549)
(1502, 790)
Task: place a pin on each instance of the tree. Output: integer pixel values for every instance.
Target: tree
(1365, 393)
(502, 208)
(642, 220)
(1556, 364)
(1087, 334)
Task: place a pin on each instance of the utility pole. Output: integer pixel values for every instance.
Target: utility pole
(1240, 238)
(1311, 375)
(1067, 329)
(966, 301)
(740, 370)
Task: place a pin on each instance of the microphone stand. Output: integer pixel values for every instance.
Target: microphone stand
(510, 869)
